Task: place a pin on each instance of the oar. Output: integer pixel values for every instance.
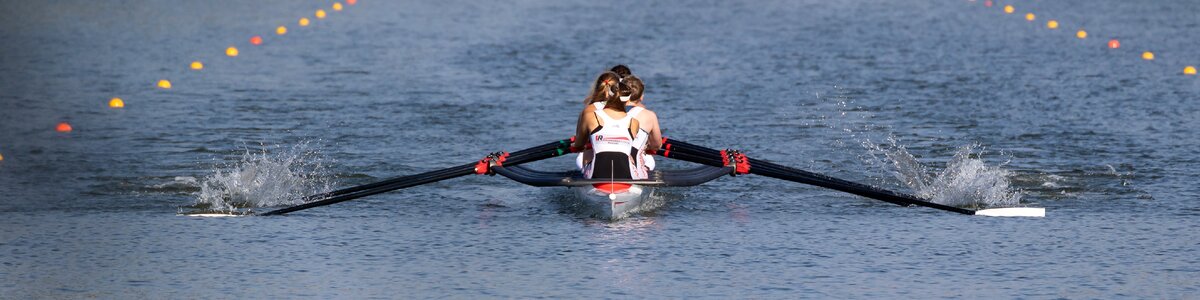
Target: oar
(524, 156)
(703, 155)
(559, 146)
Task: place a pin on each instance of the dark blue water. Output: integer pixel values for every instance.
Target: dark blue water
(1101, 138)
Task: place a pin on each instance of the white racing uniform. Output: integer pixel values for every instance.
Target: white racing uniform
(642, 160)
(612, 144)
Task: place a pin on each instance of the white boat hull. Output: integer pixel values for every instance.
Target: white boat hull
(612, 204)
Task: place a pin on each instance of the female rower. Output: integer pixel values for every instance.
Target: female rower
(611, 133)
(649, 135)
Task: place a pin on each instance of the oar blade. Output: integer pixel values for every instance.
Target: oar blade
(1031, 212)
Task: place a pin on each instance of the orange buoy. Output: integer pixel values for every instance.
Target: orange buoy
(1114, 44)
(1148, 55)
(1052, 24)
(196, 65)
(1, 157)
(231, 51)
(303, 22)
(1189, 70)
(1081, 34)
(337, 6)
(164, 84)
(320, 14)
(351, 2)
(116, 103)
(256, 40)
(1008, 9)
(281, 30)
(1030, 17)
(63, 127)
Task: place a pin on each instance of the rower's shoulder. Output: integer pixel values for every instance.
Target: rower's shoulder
(650, 114)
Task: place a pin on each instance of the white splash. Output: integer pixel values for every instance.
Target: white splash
(271, 176)
(966, 181)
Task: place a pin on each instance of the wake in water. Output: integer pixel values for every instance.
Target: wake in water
(271, 176)
(966, 180)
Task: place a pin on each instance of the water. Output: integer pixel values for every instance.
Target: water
(974, 99)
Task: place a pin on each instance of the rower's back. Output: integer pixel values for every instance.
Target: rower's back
(614, 147)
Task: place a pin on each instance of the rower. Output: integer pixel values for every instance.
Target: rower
(649, 135)
(611, 133)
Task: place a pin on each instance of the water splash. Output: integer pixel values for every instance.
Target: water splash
(966, 180)
(271, 176)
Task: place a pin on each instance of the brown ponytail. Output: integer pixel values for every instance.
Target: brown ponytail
(634, 88)
(605, 89)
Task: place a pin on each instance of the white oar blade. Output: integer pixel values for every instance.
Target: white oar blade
(211, 215)
(1034, 212)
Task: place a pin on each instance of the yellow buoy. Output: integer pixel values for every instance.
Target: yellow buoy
(1189, 70)
(164, 84)
(116, 103)
(1008, 9)
(1, 157)
(196, 65)
(281, 30)
(320, 14)
(1030, 17)
(337, 6)
(1081, 34)
(1148, 55)
(1052, 24)
(303, 22)
(231, 51)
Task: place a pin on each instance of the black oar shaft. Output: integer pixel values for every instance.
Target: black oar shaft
(523, 156)
(699, 154)
(556, 146)
(423, 178)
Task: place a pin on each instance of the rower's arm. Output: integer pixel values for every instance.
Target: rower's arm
(586, 118)
(655, 141)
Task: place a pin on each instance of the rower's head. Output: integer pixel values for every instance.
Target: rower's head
(621, 70)
(605, 88)
(632, 88)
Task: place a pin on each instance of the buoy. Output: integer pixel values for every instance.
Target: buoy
(987, 3)
(164, 84)
(1189, 70)
(1081, 34)
(1008, 9)
(320, 14)
(303, 22)
(116, 103)
(1052, 24)
(337, 6)
(1148, 55)
(231, 51)
(281, 30)
(63, 127)
(256, 40)
(1030, 17)
(1, 157)
(1114, 44)
(196, 65)
(351, 2)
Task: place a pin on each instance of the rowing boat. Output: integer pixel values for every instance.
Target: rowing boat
(617, 198)
(608, 198)
(612, 201)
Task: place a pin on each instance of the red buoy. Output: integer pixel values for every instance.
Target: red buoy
(256, 40)
(63, 127)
